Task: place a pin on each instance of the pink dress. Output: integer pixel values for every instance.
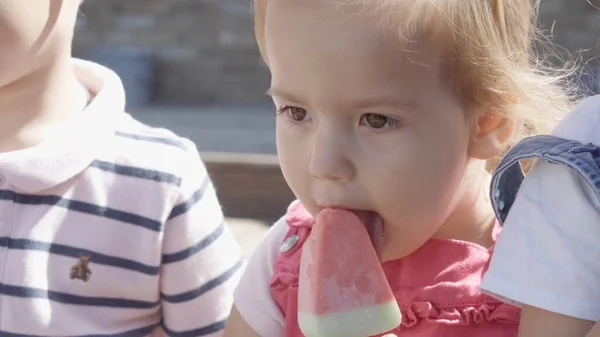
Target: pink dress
(437, 287)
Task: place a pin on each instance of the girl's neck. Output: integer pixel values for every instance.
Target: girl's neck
(473, 218)
(37, 105)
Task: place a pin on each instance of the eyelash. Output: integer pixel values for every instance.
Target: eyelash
(283, 111)
(392, 123)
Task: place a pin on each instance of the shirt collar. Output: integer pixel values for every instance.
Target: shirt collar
(60, 158)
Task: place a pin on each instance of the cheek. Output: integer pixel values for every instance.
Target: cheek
(291, 151)
(443, 168)
(446, 179)
(418, 184)
(446, 155)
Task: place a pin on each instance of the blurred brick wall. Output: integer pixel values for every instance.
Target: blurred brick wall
(205, 49)
(575, 24)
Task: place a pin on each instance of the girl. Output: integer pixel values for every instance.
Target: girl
(397, 107)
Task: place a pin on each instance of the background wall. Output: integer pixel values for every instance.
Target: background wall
(204, 50)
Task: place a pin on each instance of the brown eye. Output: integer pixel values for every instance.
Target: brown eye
(297, 114)
(376, 121)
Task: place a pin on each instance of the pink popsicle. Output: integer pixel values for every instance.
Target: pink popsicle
(343, 291)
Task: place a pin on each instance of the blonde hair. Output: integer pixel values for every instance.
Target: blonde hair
(489, 55)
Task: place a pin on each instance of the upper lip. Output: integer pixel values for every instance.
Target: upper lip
(336, 206)
(340, 206)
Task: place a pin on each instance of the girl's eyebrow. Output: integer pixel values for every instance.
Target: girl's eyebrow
(273, 91)
(384, 100)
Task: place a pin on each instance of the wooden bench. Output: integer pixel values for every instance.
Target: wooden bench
(249, 185)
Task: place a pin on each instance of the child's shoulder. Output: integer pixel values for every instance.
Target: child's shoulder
(156, 152)
(581, 123)
(162, 154)
(283, 235)
(298, 216)
(281, 238)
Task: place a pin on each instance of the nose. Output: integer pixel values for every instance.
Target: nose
(329, 160)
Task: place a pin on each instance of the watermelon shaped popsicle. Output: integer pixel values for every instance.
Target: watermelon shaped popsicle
(343, 291)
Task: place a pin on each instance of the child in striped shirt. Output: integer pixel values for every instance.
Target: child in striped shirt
(108, 227)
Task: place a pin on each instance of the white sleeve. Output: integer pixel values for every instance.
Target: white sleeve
(252, 297)
(548, 254)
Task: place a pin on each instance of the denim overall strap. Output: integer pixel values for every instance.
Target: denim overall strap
(582, 158)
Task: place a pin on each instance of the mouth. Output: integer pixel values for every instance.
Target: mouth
(373, 222)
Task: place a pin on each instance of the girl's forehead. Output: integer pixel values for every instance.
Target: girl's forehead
(297, 31)
(337, 63)
(349, 24)
(337, 13)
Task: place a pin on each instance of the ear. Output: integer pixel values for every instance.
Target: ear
(492, 135)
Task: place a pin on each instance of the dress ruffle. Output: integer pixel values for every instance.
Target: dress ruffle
(458, 315)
